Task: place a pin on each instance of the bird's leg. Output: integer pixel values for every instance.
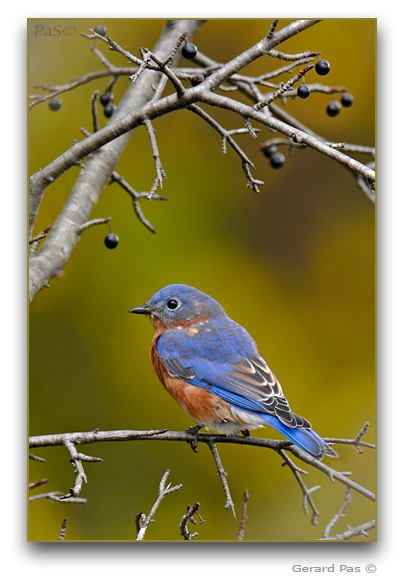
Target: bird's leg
(245, 432)
(194, 430)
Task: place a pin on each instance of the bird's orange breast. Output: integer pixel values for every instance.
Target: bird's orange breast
(204, 407)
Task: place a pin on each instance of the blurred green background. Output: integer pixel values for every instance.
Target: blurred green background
(294, 264)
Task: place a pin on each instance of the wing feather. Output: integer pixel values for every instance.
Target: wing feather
(228, 364)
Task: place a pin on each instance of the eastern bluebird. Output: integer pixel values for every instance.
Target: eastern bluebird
(212, 368)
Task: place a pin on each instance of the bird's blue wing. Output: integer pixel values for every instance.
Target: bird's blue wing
(220, 356)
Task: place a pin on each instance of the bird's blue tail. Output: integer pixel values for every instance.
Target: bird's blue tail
(306, 439)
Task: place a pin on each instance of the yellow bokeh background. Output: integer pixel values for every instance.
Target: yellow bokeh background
(294, 264)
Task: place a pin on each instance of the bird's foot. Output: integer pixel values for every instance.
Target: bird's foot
(245, 432)
(194, 430)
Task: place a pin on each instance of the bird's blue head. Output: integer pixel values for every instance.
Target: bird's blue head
(179, 303)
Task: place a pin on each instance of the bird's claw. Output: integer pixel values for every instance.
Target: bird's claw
(194, 430)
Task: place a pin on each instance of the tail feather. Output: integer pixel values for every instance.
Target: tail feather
(305, 438)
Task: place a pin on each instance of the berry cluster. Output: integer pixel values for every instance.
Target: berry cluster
(333, 109)
(276, 159)
(322, 69)
(107, 101)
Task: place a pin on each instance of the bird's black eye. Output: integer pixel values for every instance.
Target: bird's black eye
(172, 304)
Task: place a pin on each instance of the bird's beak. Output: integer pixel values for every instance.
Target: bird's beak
(145, 309)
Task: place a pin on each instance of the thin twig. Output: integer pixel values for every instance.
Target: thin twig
(306, 492)
(361, 530)
(272, 28)
(283, 89)
(252, 183)
(243, 521)
(37, 483)
(222, 474)
(76, 460)
(94, 111)
(35, 458)
(40, 236)
(160, 173)
(188, 517)
(136, 196)
(163, 492)
(340, 514)
(63, 530)
(58, 497)
(226, 135)
(357, 443)
(112, 45)
(91, 223)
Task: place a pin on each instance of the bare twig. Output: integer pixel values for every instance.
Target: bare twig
(112, 45)
(164, 68)
(163, 492)
(243, 521)
(58, 497)
(252, 183)
(40, 236)
(160, 173)
(357, 443)
(94, 111)
(222, 474)
(283, 89)
(340, 514)
(361, 530)
(76, 460)
(351, 532)
(37, 483)
(35, 458)
(226, 135)
(306, 492)
(91, 223)
(63, 530)
(136, 196)
(188, 517)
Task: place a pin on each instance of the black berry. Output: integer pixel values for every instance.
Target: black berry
(101, 30)
(277, 160)
(333, 109)
(111, 241)
(323, 67)
(269, 151)
(197, 80)
(109, 110)
(106, 98)
(55, 104)
(189, 50)
(303, 91)
(347, 100)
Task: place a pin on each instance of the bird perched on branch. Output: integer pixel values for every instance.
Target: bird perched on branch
(212, 368)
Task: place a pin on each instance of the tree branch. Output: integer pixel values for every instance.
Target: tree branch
(82, 438)
(54, 253)
(140, 105)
